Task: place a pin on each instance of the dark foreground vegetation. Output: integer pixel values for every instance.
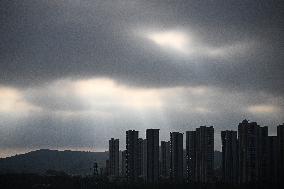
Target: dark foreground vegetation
(34, 181)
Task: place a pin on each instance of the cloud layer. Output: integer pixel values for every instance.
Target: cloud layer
(75, 73)
(84, 113)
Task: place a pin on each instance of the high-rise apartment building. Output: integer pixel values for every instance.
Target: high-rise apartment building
(253, 152)
(152, 137)
(200, 154)
(114, 157)
(248, 133)
(280, 159)
(262, 154)
(140, 157)
(131, 155)
(165, 158)
(176, 156)
(123, 163)
(205, 154)
(229, 156)
(190, 156)
(144, 159)
(272, 161)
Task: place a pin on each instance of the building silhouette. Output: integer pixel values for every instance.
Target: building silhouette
(131, 155)
(165, 159)
(262, 153)
(248, 167)
(272, 159)
(253, 152)
(280, 159)
(191, 156)
(204, 154)
(152, 137)
(249, 155)
(200, 154)
(95, 169)
(107, 169)
(176, 170)
(140, 157)
(123, 163)
(184, 165)
(144, 159)
(114, 157)
(229, 156)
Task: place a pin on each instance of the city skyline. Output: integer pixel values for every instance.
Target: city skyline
(249, 155)
(141, 135)
(74, 74)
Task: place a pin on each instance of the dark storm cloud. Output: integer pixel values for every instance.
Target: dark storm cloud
(43, 41)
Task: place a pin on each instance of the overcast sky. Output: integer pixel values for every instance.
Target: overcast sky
(74, 73)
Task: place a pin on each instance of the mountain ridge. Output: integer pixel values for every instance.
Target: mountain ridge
(39, 161)
(67, 161)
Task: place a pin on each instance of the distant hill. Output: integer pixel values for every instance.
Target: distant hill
(70, 162)
(39, 161)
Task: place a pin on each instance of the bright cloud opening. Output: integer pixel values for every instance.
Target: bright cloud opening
(263, 109)
(106, 93)
(171, 39)
(12, 101)
(99, 96)
(191, 45)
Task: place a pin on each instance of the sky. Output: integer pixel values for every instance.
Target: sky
(75, 73)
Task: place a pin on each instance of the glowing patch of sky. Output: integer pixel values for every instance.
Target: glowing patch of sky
(190, 45)
(12, 101)
(263, 109)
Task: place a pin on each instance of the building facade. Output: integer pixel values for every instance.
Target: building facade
(114, 157)
(123, 163)
(262, 154)
(144, 159)
(280, 159)
(140, 157)
(190, 156)
(248, 167)
(152, 137)
(165, 159)
(176, 156)
(204, 154)
(272, 159)
(253, 152)
(131, 155)
(229, 156)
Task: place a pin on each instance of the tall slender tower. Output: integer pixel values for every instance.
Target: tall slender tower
(191, 156)
(280, 138)
(114, 157)
(144, 159)
(140, 157)
(131, 155)
(205, 154)
(229, 156)
(252, 140)
(247, 151)
(123, 163)
(272, 159)
(253, 152)
(262, 154)
(152, 137)
(176, 156)
(165, 159)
